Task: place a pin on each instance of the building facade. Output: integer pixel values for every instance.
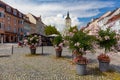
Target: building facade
(103, 22)
(11, 23)
(114, 23)
(39, 26)
(110, 19)
(92, 27)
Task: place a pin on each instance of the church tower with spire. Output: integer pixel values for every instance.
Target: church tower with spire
(67, 24)
(68, 21)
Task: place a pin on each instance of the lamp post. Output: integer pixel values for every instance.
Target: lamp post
(41, 43)
(42, 48)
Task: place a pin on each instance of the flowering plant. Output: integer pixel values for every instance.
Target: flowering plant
(80, 42)
(103, 57)
(33, 40)
(58, 42)
(69, 35)
(107, 39)
(81, 60)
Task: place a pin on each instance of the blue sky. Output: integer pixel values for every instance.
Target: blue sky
(54, 11)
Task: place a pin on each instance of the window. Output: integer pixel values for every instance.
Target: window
(8, 28)
(8, 17)
(2, 26)
(20, 15)
(14, 12)
(14, 30)
(1, 15)
(20, 29)
(15, 21)
(21, 21)
(8, 9)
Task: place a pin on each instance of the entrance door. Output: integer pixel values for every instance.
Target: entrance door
(7, 38)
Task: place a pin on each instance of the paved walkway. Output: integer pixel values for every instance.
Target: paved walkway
(21, 66)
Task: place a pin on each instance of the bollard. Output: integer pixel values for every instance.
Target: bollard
(12, 50)
(42, 48)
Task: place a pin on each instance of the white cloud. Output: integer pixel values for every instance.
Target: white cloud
(49, 10)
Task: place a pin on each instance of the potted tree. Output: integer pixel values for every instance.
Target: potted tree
(33, 41)
(58, 43)
(79, 43)
(106, 39)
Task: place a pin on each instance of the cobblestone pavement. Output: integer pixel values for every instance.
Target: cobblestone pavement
(22, 66)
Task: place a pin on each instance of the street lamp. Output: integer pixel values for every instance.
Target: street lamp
(41, 43)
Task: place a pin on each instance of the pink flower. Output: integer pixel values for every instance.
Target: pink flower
(74, 30)
(61, 45)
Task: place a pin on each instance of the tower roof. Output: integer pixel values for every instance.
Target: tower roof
(68, 17)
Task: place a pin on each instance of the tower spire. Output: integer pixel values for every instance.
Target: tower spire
(68, 17)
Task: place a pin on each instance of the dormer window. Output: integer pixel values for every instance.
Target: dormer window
(14, 12)
(20, 15)
(21, 21)
(8, 9)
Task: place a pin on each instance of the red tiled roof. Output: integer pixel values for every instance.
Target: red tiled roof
(116, 17)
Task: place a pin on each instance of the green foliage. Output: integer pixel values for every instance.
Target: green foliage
(81, 42)
(73, 28)
(106, 39)
(72, 31)
(57, 40)
(49, 30)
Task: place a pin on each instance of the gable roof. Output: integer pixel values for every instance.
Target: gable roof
(4, 5)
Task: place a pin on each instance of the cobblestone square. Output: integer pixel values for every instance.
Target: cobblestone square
(21, 66)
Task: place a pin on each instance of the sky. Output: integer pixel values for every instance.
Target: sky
(53, 12)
